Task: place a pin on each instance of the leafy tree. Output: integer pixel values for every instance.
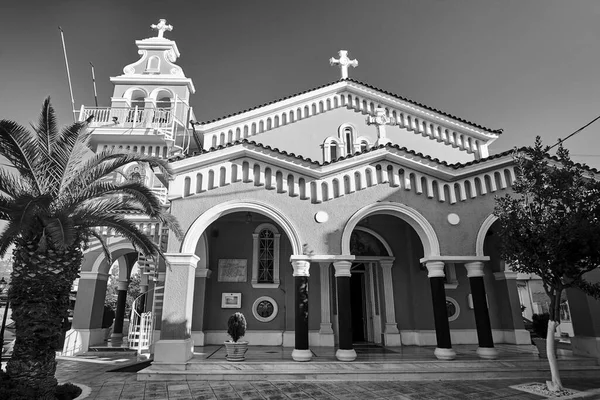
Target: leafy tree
(550, 227)
(112, 288)
(57, 196)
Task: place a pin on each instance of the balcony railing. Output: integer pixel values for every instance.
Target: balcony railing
(132, 118)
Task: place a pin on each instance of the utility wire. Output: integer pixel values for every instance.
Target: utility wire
(576, 132)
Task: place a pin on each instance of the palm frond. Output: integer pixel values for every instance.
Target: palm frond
(121, 226)
(9, 236)
(129, 191)
(19, 146)
(6, 207)
(104, 163)
(11, 186)
(46, 128)
(103, 244)
(61, 231)
(72, 147)
(171, 222)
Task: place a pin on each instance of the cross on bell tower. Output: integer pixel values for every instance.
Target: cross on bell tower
(381, 120)
(161, 27)
(344, 62)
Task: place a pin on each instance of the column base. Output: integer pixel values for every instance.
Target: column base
(345, 355)
(116, 340)
(392, 339)
(301, 355)
(78, 341)
(487, 353)
(444, 354)
(173, 351)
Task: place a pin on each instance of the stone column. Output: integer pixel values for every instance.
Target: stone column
(202, 275)
(116, 337)
(301, 351)
(342, 273)
(480, 307)
(87, 317)
(435, 273)
(391, 333)
(325, 331)
(176, 346)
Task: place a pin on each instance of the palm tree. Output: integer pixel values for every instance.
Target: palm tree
(57, 195)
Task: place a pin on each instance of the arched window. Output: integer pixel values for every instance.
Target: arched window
(349, 140)
(153, 64)
(364, 146)
(333, 153)
(331, 149)
(138, 102)
(265, 259)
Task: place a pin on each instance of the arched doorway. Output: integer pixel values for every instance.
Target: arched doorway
(388, 241)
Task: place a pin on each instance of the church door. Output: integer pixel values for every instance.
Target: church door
(364, 320)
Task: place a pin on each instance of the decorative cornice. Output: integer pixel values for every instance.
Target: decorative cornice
(346, 83)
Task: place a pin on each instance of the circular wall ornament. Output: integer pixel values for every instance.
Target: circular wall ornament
(321, 216)
(265, 309)
(452, 308)
(453, 219)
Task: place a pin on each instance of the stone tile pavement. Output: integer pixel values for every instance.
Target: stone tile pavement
(93, 372)
(124, 386)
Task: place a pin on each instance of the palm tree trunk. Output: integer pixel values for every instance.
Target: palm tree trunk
(39, 296)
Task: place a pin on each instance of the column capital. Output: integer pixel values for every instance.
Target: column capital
(203, 273)
(182, 260)
(100, 276)
(387, 262)
(474, 269)
(301, 267)
(122, 285)
(435, 269)
(342, 268)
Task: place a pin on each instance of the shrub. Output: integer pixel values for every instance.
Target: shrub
(236, 326)
(540, 324)
(67, 391)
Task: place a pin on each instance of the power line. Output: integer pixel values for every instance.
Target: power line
(576, 132)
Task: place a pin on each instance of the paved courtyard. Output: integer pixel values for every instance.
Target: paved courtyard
(124, 386)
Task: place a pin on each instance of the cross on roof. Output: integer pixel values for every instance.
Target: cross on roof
(381, 120)
(161, 27)
(343, 62)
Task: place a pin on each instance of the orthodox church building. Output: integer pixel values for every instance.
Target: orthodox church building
(338, 216)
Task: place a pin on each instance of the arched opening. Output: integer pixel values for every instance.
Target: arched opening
(257, 265)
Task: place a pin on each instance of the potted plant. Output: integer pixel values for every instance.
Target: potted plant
(236, 328)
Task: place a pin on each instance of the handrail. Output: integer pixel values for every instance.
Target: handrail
(144, 321)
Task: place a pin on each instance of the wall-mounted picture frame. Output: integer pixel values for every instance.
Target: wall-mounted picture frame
(231, 300)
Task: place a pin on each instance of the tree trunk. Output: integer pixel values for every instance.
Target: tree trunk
(555, 384)
(39, 296)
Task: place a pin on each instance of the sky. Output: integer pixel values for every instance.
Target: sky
(529, 67)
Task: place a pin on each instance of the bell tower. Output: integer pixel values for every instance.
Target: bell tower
(150, 111)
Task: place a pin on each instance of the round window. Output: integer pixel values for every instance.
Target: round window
(452, 308)
(265, 309)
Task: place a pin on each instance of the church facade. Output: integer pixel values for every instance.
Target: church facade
(335, 217)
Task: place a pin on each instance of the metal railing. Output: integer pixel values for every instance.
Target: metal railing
(141, 326)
